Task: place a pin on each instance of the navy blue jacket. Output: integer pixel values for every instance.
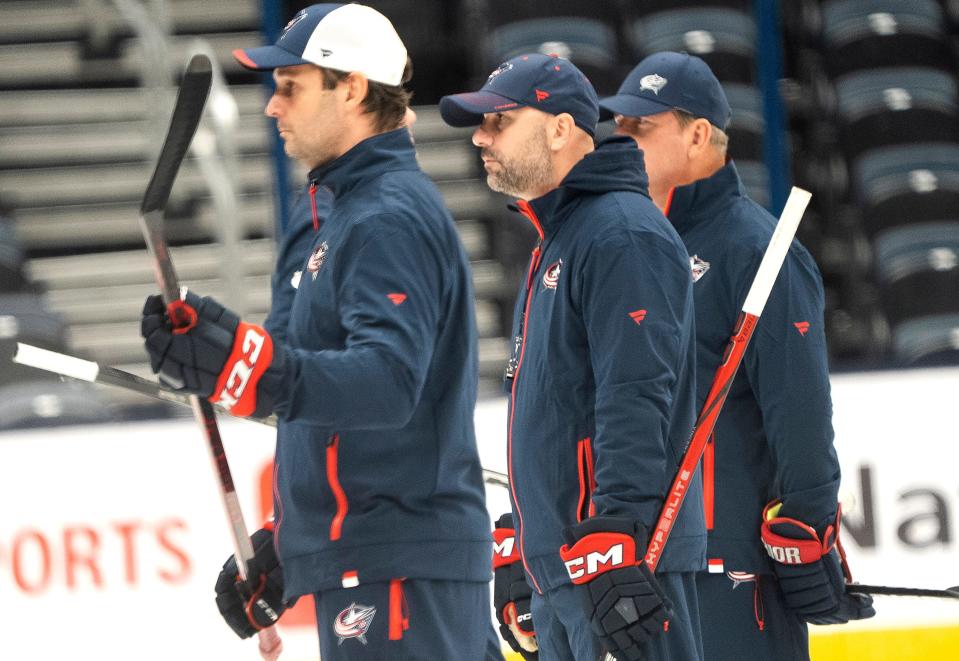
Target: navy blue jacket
(774, 436)
(293, 247)
(602, 392)
(377, 471)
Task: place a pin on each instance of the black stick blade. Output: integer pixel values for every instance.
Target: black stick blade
(190, 100)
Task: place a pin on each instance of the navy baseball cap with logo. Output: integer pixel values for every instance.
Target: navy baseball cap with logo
(545, 82)
(345, 37)
(668, 80)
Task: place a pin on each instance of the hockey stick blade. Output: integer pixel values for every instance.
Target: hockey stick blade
(194, 89)
(895, 591)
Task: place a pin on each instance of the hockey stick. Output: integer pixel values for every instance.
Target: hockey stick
(733, 356)
(87, 370)
(894, 591)
(187, 113)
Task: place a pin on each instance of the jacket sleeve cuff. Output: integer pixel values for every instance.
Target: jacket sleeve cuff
(272, 392)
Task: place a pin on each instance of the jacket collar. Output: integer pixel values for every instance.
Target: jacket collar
(704, 199)
(384, 152)
(615, 165)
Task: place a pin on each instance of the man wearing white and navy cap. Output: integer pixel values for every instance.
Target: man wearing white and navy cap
(771, 475)
(379, 501)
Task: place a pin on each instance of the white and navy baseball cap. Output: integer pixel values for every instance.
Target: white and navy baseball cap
(545, 82)
(345, 37)
(668, 80)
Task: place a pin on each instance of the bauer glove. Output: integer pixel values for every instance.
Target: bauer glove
(511, 592)
(812, 569)
(624, 604)
(213, 355)
(257, 603)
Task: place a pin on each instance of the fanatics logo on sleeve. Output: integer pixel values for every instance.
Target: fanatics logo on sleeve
(317, 259)
(551, 277)
(802, 327)
(353, 622)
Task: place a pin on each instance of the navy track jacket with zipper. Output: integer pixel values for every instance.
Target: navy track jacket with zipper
(377, 471)
(292, 247)
(774, 437)
(602, 378)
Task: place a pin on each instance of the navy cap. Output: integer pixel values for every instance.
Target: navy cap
(345, 37)
(545, 82)
(668, 80)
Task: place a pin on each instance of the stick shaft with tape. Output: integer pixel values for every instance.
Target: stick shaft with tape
(745, 326)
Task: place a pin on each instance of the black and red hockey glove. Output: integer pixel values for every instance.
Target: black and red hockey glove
(812, 569)
(511, 592)
(216, 356)
(604, 556)
(257, 603)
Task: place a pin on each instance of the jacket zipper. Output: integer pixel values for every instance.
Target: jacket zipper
(342, 505)
(278, 514)
(709, 485)
(316, 217)
(587, 480)
(537, 254)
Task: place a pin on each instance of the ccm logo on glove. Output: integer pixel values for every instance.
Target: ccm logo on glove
(597, 553)
(243, 366)
(504, 547)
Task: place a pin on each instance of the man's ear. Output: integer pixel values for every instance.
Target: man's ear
(559, 130)
(356, 85)
(699, 133)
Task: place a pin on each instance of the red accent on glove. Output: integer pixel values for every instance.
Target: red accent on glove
(504, 547)
(182, 316)
(596, 553)
(252, 354)
(795, 550)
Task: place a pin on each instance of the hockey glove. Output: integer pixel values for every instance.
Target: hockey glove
(257, 603)
(812, 570)
(625, 606)
(216, 356)
(511, 592)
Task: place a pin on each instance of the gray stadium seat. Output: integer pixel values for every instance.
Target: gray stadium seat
(918, 270)
(905, 184)
(928, 341)
(896, 105)
(48, 404)
(861, 34)
(724, 38)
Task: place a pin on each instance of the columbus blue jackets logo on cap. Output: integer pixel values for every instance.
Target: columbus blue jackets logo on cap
(353, 622)
(551, 277)
(505, 66)
(653, 82)
(293, 21)
(698, 267)
(317, 258)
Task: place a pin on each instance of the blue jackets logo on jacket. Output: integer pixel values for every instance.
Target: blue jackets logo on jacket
(551, 277)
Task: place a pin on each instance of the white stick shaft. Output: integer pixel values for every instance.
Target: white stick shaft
(776, 252)
(51, 361)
